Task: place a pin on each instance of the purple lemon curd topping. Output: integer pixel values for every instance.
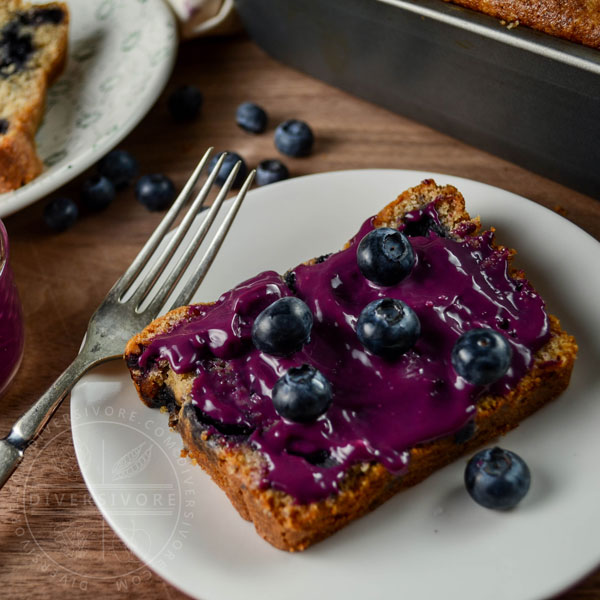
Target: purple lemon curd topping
(381, 407)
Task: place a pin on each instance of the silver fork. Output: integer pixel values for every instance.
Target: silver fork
(120, 316)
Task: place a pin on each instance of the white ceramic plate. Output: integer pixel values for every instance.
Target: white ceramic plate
(429, 542)
(121, 53)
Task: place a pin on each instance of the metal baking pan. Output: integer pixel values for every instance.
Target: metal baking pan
(520, 94)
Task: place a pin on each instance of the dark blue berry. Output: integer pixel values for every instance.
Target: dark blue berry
(423, 226)
(466, 432)
(481, 356)
(97, 192)
(230, 161)
(251, 117)
(294, 138)
(120, 167)
(385, 256)
(61, 213)
(303, 394)
(270, 171)
(4, 125)
(155, 192)
(16, 48)
(41, 16)
(185, 103)
(283, 327)
(497, 478)
(388, 327)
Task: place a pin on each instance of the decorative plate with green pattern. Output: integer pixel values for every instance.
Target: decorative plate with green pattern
(121, 53)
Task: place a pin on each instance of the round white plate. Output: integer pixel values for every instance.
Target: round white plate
(121, 53)
(431, 541)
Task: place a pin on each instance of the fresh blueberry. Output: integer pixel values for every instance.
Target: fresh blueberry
(388, 327)
(481, 356)
(302, 394)
(61, 213)
(120, 167)
(294, 138)
(497, 478)
(97, 192)
(385, 256)
(270, 171)
(185, 103)
(230, 161)
(283, 327)
(251, 117)
(155, 192)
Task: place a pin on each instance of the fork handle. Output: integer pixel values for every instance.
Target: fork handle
(29, 426)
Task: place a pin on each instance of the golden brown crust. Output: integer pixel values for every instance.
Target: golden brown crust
(294, 527)
(160, 325)
(19, 162)
(23, 95)
(237, 468)
(575, 20)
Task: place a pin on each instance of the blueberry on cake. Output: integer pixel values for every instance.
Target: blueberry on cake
(311, 398)
(33, 45)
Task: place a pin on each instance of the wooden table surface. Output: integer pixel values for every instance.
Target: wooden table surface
(54, 545)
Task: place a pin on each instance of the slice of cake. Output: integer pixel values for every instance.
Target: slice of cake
(313, 397)
(33, 45)
(570, 19)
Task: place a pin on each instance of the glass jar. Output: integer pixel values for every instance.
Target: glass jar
(12, 335)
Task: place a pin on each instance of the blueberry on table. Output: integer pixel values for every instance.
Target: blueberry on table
(120, 167)
(155, 192)
(230, 161)
(302, 395)
(385, 256)
(251, 117)
(497, 478)
(388, 327)
(270, 171)
(294, 138)
(61, 213)
(481, 356)
(283, 327)
(185, 103)
(97, 192)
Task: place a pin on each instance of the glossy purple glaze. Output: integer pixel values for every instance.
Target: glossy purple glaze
(380, 407)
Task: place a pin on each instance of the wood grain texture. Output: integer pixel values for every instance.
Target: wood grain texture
(53, 540)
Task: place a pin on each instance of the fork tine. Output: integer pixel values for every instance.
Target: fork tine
(177, 271)
(192, 285)
(123, 284)
(159, 265)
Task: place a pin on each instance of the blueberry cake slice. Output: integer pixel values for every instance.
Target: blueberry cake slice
(33, 45)
(313, 397)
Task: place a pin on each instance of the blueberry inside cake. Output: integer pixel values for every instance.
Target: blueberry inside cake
(313, 397)
(33, 44)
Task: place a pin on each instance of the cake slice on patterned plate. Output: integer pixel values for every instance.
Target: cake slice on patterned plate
(33, 47)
